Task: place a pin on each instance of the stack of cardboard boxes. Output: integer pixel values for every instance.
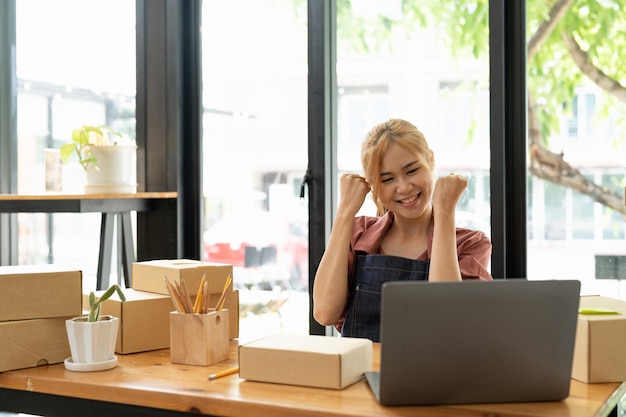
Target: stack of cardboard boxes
(35, 301)
(145, 315)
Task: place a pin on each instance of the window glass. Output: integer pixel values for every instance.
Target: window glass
(75, 65)
(577, 159)
(255, 155)
(396, 60)
(613, 224)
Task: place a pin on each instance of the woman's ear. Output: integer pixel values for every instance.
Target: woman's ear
(431, 159)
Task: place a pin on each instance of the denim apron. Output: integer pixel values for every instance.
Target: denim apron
(370, 272)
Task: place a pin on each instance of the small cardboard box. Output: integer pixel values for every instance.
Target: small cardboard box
(29, 343)
(144, 319)
(150, 276)
(600, 346)
(39, 292)
(306, 360)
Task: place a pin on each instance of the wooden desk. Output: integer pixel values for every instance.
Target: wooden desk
(112, 206)
(148, 384)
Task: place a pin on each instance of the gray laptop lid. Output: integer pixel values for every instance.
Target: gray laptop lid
(476, 341)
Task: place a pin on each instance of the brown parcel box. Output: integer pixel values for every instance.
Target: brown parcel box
(600, 346)
(144, 320)
(150, 276)
(307, 360)
(29, 343)
(39, 292)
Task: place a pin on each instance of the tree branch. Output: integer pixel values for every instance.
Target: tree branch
(557, 12)
(582, 61)
(552, 167)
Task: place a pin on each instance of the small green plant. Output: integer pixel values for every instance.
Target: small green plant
(95, 303)
(81, 140)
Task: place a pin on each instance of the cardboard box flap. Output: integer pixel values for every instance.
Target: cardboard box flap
(306, 343)
(35, 269)
(177, 263)
(130, 294)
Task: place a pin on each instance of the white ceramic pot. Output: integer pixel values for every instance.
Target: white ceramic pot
(92, 342)
(114, 170)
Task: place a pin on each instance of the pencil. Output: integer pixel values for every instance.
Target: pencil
(223, 373)
(185, 295)
(174, 296)
(197, 306)
(205, 299)
(220, 302)
(179, 294)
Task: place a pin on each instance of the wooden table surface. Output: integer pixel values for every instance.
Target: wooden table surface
(149, 379)
(64, 196)
(114, 207)
(81, 203)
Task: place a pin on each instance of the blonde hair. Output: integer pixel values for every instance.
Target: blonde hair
(375, 146)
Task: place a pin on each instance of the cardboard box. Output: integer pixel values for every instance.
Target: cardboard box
(600, 346)
(39, 292)
(306, 360)
(144, 319)
(150, 276)
(29, 343)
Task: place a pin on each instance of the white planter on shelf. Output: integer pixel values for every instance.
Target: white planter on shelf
(92, 344)
(114, 170)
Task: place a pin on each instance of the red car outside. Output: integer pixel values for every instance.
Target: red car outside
(266, 250)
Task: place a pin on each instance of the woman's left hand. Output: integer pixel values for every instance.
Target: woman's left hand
(448, 192)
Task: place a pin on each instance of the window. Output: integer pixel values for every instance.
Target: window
(255, 142)
(73, 69)
(572, 217)
(412, 74)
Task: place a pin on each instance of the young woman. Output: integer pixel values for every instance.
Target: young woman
(413, 237)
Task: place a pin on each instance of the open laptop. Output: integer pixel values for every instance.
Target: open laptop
(476, 341)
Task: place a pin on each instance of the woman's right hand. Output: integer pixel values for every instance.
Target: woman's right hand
(330, 287)
(353, 190)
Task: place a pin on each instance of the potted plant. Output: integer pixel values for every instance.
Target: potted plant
(109, 163)
(92, 337)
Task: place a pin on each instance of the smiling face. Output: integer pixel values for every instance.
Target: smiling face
(407, 181)
(397, 149)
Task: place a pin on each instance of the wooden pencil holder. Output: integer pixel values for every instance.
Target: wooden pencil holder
(199, 339)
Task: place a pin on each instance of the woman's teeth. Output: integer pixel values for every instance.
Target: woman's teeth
(409, 200)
